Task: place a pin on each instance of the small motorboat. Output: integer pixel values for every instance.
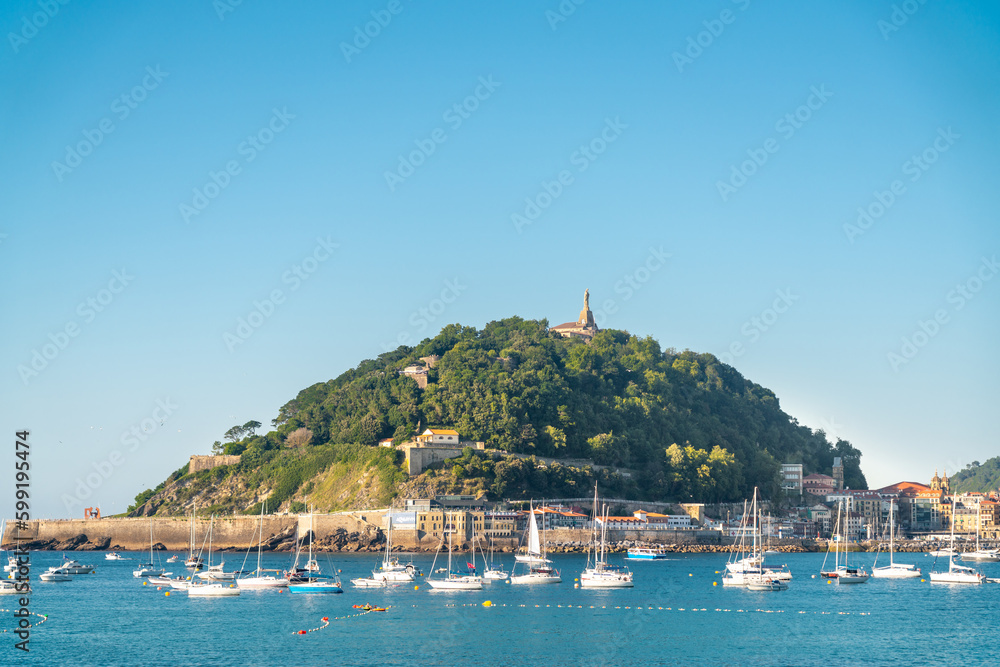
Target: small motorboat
(56, 573)
(114, 555)
(173, 559)
(75, 567)
(213, 590)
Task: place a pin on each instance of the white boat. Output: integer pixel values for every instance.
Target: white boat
(750, 571)
(456, 581)
(75, 567)
(956, 574)
(490, 570)
(10, 588)
(260, 578)
(947, 552)
(55, 573)
(539, 568)
(148, 569)
(980, 555)
(312, 581)
(179, 583)
(114, 555)
(646, 553)
(602, 575)
(369, 582)
(844, 574)
(11, 565)
(894, 570)
(193, 561)
(214, 572)
(391, 569)
(212, 590)
(174, 559)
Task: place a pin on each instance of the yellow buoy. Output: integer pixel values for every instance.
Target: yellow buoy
(416, 588)
(715, 583)
(167, 594)
(487, 604)
(690, 575)
(829, 581)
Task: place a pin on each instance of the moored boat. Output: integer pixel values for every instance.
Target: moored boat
(646, 553)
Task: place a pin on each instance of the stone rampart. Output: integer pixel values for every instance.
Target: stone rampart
(198, 462)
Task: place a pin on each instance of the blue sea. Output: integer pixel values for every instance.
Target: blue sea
(673, 616)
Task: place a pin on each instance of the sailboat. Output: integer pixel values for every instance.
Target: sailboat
(490, 571)
(147, 569)
(261, 579)
(843, 573)
(456, 581)
(602, 575)
(750, 571)
(391, 570)
(193, 562)
(894, 570)
(980, 555)
(539, 568)
(956, 574)
(314, 582)
(214, 572)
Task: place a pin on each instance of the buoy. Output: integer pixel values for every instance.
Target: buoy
(144, 583)
(814, 576)
(159, 588)
(326, 618)
(416, 588)
(690, 575)
(167, 594)
(829, 581)
(715, 583)
(576, 585)
(923, 580)
(487, 604)
(302, 632)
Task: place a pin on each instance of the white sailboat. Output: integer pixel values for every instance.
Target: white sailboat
(539, 568)
(602, 575)
(844, 574)
(490, 571)
(193, 562)
(749, 572)
(214, 572)
(455, 581)
(956, 574)
(980, 555)
(313, 581)
(148, 569)
(261, 579)
(894, 570)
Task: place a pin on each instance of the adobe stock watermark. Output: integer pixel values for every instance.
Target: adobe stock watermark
(454, 116)
(248, 149)
(122, 107)
(786, 126)
(563, 11)
(223, 7)
(363, 35)
(696, 44)
(958, 297)
(294, 277)
(421, 318)
(758, 325)
(899, 17)
(30, 25)
(87, 310)
(581, 158)
(133, 438)
(631, 283)
(883, 200)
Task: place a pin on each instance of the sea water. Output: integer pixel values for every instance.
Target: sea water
(678, 613)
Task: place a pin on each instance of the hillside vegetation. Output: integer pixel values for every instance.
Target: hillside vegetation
(978, 477)
(668, 425)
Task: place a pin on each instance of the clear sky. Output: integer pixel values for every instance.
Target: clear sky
(808, 188)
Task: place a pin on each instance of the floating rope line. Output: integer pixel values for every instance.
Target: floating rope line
(326, 619)
(44, 618)
(649, 608)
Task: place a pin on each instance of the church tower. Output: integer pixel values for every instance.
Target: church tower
(585, 326)
(935, 481)
(945, 484)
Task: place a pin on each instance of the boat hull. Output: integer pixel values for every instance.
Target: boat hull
(213, 591)
(262, 582)
(890, 572)
(606, 583)
(455, 584)
(369, 583)
(536, 579)
(317, 588)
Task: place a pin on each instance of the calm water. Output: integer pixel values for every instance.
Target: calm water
(110, 618)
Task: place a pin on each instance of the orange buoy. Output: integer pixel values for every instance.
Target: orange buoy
(326, 618)
(302, 632)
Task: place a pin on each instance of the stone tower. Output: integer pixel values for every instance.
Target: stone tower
(945, 484)
(935, 481)
(838, 472)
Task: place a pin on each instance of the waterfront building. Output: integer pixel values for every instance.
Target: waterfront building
(819, 485)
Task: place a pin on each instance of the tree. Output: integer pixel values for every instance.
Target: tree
(217, 448)
(235, 433)
(250, 428)
(299, 438)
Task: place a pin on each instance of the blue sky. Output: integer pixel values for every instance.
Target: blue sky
(214, 157)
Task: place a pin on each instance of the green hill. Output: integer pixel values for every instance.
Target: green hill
(978, 477)
(677, 425)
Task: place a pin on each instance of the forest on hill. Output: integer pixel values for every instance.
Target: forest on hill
(976, 476)
(658, 424)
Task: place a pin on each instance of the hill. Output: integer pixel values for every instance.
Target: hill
(983, 477)
(668, 425)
